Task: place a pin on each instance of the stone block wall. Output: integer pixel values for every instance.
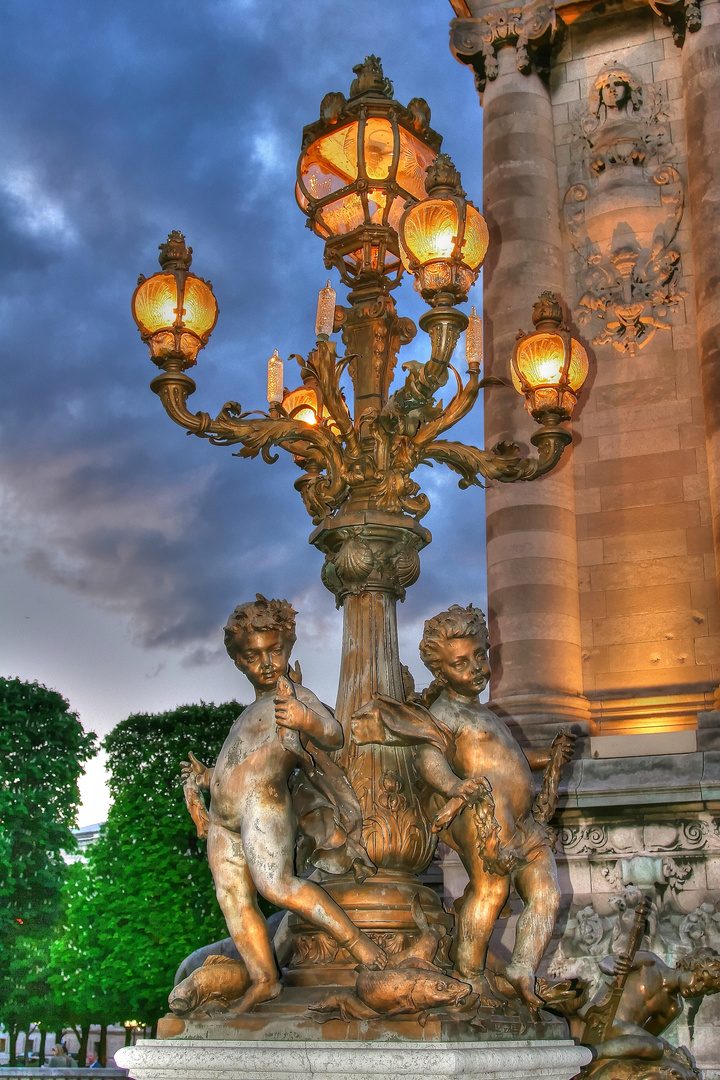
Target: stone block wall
(601, 182)
(602, 577)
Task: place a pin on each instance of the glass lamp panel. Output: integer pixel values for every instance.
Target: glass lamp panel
(189, 346)
(344, 215)
(156, 303)
(200, 306)
(475, 241)
(430, 230)
(330, 162)
(301, 197)
(415, 157)
(376, 205)
(541, 359)
(378, 148)
(577, 372)
(162, 342)
(396, 212)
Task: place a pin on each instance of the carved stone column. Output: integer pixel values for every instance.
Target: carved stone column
(533, 603)
(701, 88)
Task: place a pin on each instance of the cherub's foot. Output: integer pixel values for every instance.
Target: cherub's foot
(257, 992)
(486, 998)
(365, 951)
(522, 978)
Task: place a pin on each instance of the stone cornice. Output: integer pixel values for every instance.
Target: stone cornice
(534, 29)
(531, 29)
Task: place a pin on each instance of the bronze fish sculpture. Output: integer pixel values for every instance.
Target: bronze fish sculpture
(409, 984)
(415, 986)
(220, 979)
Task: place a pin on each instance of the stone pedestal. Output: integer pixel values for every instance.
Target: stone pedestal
(206, 1060)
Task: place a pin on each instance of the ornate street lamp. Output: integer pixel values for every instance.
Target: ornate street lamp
(368, 168)
(175, 310)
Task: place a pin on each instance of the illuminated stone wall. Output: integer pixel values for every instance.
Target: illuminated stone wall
(601, 141)
(603, 597)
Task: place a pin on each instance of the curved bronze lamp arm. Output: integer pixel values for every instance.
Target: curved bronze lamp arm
(503, 463)
(323, 364)
(257, 433)
(458, 407)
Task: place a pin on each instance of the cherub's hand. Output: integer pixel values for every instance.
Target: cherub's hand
(622, 966)
(289, 712)
(466, 789)
(566, 740)
(195, 768)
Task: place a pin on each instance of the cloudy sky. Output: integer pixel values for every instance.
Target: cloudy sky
(123, 542)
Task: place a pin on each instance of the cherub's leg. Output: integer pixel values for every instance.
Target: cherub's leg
(485, 898)
(538, 888)
(269, 842)
(237, 897)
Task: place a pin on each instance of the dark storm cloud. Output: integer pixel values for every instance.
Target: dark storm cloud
(120, 123)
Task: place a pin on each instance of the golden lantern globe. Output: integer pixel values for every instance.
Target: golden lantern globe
(443, 239)
(175, 311)
(306, 404)
(549, 366)
(360, 163)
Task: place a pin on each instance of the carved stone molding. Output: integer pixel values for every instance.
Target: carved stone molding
(532, 30)
(683, 838)
(623, 212)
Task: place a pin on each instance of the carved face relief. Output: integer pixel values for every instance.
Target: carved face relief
(614, 93)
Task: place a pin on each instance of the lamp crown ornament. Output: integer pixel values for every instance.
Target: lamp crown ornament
(174, 253)
(442, 178)
(370, 79)
(547, 313)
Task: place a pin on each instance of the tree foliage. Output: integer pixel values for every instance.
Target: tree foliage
(145, 899)
(43, 751)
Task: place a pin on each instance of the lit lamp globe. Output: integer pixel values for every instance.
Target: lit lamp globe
(549, 366)
(306, 404)
(360, 163)
(443, 239)
(175, 311)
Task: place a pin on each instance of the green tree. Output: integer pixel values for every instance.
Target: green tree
(145, 899)
(44, 748)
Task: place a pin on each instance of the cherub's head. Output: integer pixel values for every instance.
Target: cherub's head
(259, 637)
(701, 973)
(454, 648)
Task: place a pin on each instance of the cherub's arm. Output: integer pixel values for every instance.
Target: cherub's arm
(202, 773)
(537, 759)
(317, 722)
(540, 759)
(435, 771)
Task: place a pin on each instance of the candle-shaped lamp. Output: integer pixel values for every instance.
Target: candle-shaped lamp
(325, 318)
(275, 389)
(474, 341)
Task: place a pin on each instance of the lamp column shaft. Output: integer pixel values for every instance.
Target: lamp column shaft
(369, 562)
(701, 88)
(533, 600)
(372, 333)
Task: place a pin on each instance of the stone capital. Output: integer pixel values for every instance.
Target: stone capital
(531, 30)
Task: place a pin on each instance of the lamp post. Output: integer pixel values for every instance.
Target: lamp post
(375, 189)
